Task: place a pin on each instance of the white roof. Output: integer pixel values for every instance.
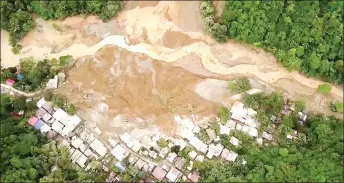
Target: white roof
(192, 154)
(65, 143)
(232, 156)
(181, 143)
(82, 160)
(75, 120)
(76, 141)
(204, 148)
(137, 146)
(45, 128)
(67, 129)
(125, 137)
(118, 152)
(199, 158)
(196, 142)
(260, 141)
(231, 124)
(267, 136)
(210, 154)
(187, 134)
(251, 112)
(171, 157)
(196, 129)
(112, 142)
(41, 102)
(224, 130)
(254, 91)
(76, 155)
(99, 147)
(62, 116)
(173, 174)
(253, 132)
(98, 131)
(238, 127)
(57, 126)
(234, 141)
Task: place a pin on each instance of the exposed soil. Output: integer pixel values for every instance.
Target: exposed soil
(134, 86)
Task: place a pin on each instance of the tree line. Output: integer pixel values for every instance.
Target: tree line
(16, 15)
(305, 36)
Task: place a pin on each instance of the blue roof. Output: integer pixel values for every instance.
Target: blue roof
(120, 166)
(19, 77)
(39, 124)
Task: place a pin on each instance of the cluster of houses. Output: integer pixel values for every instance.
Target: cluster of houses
(143, 154)
(57, 124)
(171, 166)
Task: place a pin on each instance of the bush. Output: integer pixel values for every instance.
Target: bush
(162, 143)
(71, 109)
(239, 85)
(175, 149)
(48, 96)
(299, 105)
(337, 107)
(224, 114)
(324, 88)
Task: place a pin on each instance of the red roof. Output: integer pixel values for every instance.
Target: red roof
(10, 82)
(32, 121)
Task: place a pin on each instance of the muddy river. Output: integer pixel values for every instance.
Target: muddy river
(154, 61)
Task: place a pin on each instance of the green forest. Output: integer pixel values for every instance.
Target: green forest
(305, 36)
(16, 15)
(27, 156)
(316, 155)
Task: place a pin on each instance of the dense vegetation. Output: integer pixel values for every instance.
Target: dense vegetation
(239, 85)
(306, 36)
(16, 15)
(35, 75)
(316, 155)
(27, 156)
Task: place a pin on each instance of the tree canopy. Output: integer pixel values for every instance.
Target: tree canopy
(305, 36)
(16, 15)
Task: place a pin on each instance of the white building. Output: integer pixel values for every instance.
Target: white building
(98, 147)
(234, 141)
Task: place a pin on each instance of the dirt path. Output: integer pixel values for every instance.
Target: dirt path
(163, 31)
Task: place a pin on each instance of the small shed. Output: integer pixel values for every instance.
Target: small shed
(159, 173)
(199, 158)
(10, 82)
(32, 121)
(41, 102)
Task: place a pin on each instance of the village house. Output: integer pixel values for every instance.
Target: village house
(234, 141)
(173, 175)
(159, 173)
(194, 176)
